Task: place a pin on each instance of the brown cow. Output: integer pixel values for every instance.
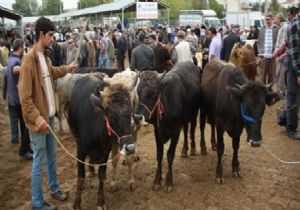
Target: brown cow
(244, 57)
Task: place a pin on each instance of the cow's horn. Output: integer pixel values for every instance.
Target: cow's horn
(239, 86)
(95, 99)
(269, 86)
(162, 75)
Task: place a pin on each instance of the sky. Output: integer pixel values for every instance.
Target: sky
(68, 4)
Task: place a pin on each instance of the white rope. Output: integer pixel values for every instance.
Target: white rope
(73, 156)
(277, 158)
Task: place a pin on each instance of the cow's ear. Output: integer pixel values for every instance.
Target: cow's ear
(235, 91)
(272, 98)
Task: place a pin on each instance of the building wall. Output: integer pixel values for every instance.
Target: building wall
(231, 5)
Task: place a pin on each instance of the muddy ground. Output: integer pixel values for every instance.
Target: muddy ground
(266, 184)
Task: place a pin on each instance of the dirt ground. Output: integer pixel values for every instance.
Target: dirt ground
(265, 183)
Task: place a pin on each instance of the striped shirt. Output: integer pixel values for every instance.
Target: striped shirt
(268, 45)
(282, 35)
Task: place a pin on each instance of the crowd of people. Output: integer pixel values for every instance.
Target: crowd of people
(29, 73)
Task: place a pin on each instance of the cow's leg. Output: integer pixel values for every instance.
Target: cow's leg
(60, 115)
(101, 176)
(213, 136)
(185, 147)
(202, 128)
(220, 151)
(80, 179)
(192, 136)
(130, 161)
(235, 161)
(159, 157)
(115, 161)
(170, 156)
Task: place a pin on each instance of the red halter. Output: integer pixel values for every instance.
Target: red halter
(111, 130)
(160, 110)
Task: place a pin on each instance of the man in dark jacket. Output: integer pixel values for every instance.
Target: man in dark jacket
(229, 41)
(121, 51)
(14, 106)
(142, 57)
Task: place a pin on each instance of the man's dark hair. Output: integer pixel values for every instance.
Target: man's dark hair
(293, 10)
(17, 44)
(160, 38)
(43, 24)
(213, 30)
(142, 36)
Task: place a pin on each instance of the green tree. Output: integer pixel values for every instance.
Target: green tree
(26, 7)
(176, 6)
(91, 3)
(218, 8)
(275, 7)
(52, 7)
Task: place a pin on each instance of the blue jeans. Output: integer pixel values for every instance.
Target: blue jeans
(109, 63)
(44, 154)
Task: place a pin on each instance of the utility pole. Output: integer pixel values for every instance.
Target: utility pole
(266, 7)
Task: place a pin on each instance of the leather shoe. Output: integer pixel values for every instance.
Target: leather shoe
(293, 135)
(45, 206)
(59, 196)
(28, 156)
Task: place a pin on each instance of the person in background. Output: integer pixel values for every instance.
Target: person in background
(279, 65)
(142, 57)
(36, 91)
(71, 52)
(215, 45)
(266, 44)
(55, 53)
(121, 51)
(161, 56)
(183, 50)
(293, 77)
(13, 101)
(228, 43)
(111, 53)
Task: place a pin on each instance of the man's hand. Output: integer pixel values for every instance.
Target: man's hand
(298, 80)
(43, 125)
(72, 67)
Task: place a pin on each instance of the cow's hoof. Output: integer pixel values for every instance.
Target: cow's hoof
(213, 148)
(220, 180)
(156, 187)
(76, 207)
(113, 187)
(203, 152)
(183, 155)
(193, 152)
(131, 187)
(137, 158)
(236, 174)
(169, 189)
(102, 207)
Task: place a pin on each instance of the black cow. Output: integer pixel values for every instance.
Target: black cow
(99, 121)
(169, 101)
(233, 102)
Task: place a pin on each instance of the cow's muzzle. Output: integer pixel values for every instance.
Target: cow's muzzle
(255, 143)
(140, 119)
(128, 149)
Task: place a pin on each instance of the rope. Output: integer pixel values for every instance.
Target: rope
(277, 158)
(73, 156)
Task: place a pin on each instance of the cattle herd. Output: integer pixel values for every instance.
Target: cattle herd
(105, 112)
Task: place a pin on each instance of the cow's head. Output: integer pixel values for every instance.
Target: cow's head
(253, 97)
(115, 103)
(237, 54)
(149, 90)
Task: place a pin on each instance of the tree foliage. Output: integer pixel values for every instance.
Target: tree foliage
(52, 7)
(26, 7)
(275, 7)
(218, 8)
(91, 3)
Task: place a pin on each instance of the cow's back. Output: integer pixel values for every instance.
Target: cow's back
(187, 83)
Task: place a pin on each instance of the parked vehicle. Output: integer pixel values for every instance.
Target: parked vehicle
(199, 17)
(245, 19)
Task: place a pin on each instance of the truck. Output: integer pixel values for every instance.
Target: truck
(245, 19)
(199, 17)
